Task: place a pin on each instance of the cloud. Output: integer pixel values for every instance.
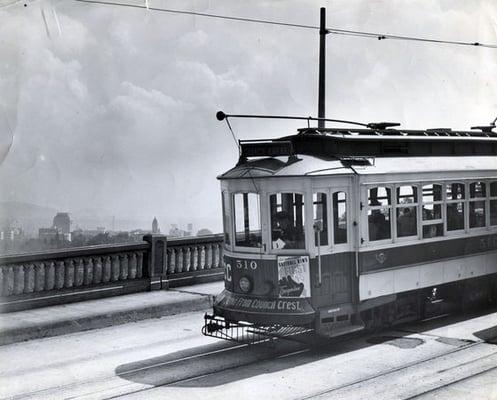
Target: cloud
(117, 111)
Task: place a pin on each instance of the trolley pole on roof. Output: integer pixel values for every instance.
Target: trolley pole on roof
(322, 67)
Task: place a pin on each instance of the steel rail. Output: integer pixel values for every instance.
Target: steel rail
(392, 371)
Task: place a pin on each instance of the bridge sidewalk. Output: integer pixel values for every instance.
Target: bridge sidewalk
(93, 314)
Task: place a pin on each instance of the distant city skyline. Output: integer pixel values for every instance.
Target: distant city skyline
(30, 225)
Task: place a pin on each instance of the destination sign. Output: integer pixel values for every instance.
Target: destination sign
(244, 303)
(267, 149)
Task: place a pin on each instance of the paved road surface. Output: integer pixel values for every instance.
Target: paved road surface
(168, 358)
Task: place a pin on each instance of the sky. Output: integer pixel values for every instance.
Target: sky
(109, 110)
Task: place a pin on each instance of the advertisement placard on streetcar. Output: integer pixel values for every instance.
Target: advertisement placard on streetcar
(294, 276)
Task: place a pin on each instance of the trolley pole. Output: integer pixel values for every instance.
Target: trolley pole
(322, 67)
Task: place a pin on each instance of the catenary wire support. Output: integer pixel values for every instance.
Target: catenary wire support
(237, 142)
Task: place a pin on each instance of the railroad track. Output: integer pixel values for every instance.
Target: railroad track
(259, 353)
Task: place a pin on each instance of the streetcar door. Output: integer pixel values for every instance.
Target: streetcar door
(342, 258)
(332, 244)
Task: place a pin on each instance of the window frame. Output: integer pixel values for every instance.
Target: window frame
(367, 207)
(306, 212)
(260, 249)
(486, 202)
(444, 202)
(489, 199)
(227, 225)
(329, 219)
(340, 246)
(415, 205)
(456, 232)
(443, 211)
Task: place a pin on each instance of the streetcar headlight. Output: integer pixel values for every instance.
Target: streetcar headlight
(245, 284)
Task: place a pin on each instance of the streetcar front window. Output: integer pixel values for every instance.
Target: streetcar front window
(287, 221)
(226, 219)
(247, 220)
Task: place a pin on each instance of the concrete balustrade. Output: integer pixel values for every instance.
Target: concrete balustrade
(191, 258)
(76, 271)
(58, 276)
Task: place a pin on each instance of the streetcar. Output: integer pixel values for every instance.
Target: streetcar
(335, 230)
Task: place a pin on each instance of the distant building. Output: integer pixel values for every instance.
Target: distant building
(174, 231)
(203, 232)
(11, 231)
(48, 235)
(155, 226)
(189, 229)
(62, 222)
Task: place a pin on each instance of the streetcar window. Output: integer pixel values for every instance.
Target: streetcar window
(455, 191)
(226, 218)
(431, 215)
(287, 221)
(433, 230)
(455, 206)
(320, 209)
(493, 203)
(493, 189)
(379, 213)
(340, 217)
(432, 211)
(379, 196)
(477, 190)
(432, 193)
(247, 220)
(407, 221)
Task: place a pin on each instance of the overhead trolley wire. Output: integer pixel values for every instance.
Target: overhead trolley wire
(337, 31)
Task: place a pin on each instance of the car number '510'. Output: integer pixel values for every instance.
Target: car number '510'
(240, 264)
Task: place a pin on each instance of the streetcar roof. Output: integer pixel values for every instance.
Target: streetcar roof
(305, 165)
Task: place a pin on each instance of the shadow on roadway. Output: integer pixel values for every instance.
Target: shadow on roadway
(201, 366)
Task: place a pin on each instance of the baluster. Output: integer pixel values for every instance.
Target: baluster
(123, 270)
(139, 264)
(172, 261)
(29, 278)
(79, 272)
(181, 261)
(115, 267)
(97, 270)
(39, 277)
(216, 255)
(88, 278)
(188, 260)
(221, 252)
(107, 269)
(196, 259)
(132, 266)
(2, 280)
(8, 280)
(59, 274)
(208, 262)
(49, 275)
(202, 258)
(69, 274)
(18, 279)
